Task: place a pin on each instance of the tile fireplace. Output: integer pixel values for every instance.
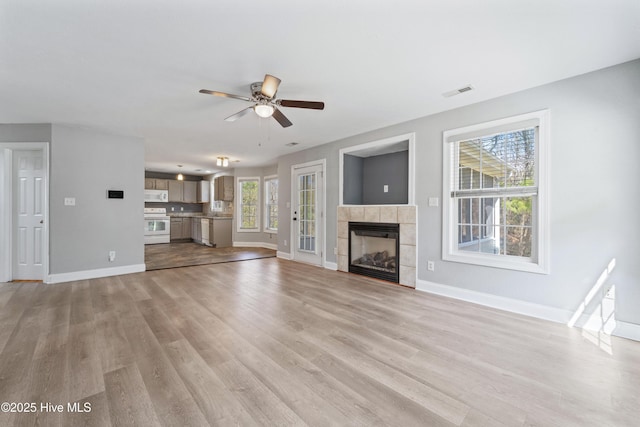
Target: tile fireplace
(404, 215)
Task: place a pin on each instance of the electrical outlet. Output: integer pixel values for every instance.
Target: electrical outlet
(335, 251)
(285, 243)
(69, 201)
(431, 266)
(112, 256)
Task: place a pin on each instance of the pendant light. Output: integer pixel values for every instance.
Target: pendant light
(180, 177)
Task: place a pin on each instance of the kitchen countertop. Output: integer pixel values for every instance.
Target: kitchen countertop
(197, 215)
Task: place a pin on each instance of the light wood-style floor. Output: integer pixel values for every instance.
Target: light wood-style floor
(272, 342)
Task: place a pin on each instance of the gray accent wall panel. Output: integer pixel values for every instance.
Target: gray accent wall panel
(391, 170)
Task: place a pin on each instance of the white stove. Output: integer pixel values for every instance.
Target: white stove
(157, 226)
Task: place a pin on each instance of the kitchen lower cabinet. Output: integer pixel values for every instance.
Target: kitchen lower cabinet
(180, 228)
(222, 236)
(196, 230)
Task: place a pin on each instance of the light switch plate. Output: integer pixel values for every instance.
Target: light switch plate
(69, 201)
(386, 189)
(433, 201)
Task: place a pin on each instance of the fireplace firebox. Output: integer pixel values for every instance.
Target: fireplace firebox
(374, 250)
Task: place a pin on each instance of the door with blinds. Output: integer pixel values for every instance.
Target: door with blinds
(308, 197)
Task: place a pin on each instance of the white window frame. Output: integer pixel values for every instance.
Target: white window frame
(267, 180)
(539, 262)
(239, 228)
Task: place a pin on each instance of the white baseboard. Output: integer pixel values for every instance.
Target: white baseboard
(494, 301)
(622, 329)
(627, 330)
(331, 265)
(255, 245)
(284, 255)
(94, 274)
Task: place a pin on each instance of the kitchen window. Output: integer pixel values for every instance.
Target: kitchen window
(495, 182)
(271, 204)
(248, 204)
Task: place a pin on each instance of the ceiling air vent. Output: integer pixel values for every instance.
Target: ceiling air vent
(464, 89)
(292, 144)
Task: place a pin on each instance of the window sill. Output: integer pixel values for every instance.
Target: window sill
(508, 263)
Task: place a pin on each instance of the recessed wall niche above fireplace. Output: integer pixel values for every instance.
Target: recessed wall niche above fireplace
(378, 172)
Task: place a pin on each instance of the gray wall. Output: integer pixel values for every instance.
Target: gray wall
(387, 169)
(594, 151)
(352, 179)
(85, 164)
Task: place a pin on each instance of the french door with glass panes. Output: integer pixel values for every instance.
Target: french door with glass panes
(308, 197)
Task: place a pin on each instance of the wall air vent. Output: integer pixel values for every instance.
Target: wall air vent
(464, 89)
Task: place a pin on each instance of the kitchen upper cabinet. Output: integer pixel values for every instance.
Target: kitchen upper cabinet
(223, 187)
(203, 191)
(182, 191)
(176, 190)
(189, 191)
(156, 184)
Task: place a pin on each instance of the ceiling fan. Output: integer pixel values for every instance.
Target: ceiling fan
(264, 101)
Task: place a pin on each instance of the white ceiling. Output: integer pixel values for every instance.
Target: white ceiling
(134, 67)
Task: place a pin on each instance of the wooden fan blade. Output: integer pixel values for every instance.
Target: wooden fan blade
(270, 86)
(280, 118)
(239, 114)
(314, 105)
(225, 95)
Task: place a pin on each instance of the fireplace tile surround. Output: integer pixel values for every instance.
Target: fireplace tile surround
(401, 214)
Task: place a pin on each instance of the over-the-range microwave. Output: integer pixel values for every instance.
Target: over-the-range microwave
(160, 196)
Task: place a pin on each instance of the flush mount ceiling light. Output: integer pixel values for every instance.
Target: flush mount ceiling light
(222, 161)
(263, 110)
(180, 177)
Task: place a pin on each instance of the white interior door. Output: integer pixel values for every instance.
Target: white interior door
(29, 189)
(308, 197)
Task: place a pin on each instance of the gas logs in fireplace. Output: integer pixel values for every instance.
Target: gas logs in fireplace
(374, 249)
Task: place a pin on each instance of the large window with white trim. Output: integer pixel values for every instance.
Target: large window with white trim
(248, 204)
(495, 184)
(271, 204)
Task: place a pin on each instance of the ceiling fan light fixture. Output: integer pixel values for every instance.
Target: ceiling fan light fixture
(264, 110)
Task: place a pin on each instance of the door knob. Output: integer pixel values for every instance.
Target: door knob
(42, 221)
